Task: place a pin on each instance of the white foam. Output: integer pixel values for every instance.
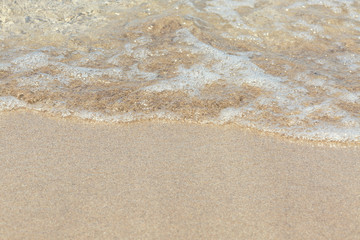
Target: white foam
(227, 10)
(10, 103)
(31, 61)
(192, 79)
(135, 74)
(233, 68)
(351, 61)
(276, 102)
(231, 114)
(5, 67)
(92, 57)
(123, 118)
(40, 80)
(82, 73)
(303, 35)
(334, 5)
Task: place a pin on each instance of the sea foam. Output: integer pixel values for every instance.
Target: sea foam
(290, 68)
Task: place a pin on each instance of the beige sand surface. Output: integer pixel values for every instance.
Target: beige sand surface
(67, 179)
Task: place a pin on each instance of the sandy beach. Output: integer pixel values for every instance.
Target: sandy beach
(130, 119)
(72, 179)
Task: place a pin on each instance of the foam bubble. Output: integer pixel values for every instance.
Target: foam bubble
(351, 61)
(31, 61)
(270, 65)
(227, 10)
(10, 103)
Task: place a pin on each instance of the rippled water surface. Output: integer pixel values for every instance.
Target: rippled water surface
(289, 67)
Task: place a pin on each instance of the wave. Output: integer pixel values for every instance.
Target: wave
(290, 68)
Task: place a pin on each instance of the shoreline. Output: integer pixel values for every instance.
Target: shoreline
(226, 126)
(67, 178)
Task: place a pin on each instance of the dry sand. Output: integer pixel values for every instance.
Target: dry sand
(67, 179)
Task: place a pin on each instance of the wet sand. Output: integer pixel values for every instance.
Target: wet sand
(70, 179)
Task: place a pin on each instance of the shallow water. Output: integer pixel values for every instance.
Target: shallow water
(288, 67)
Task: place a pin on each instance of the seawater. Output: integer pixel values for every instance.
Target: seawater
(288, 67)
